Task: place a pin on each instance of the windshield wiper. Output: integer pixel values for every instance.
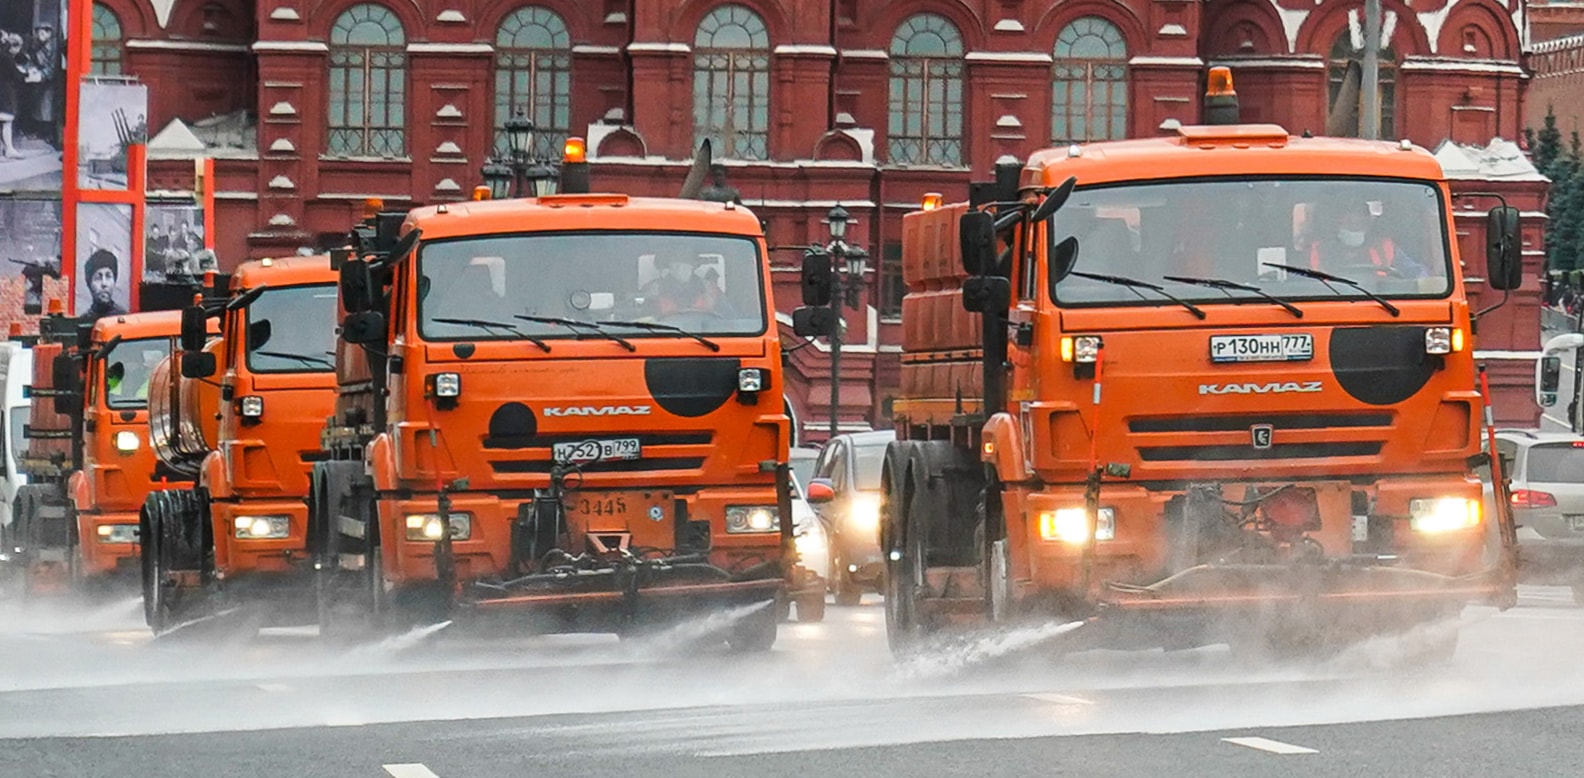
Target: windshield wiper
(1327, 279)
(658, 327)
(1227, 287)
(1135, 285)
(303, 358)
(573, 324)
(495, 325)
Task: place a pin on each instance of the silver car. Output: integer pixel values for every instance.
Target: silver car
(1546, 470)
(845, 492)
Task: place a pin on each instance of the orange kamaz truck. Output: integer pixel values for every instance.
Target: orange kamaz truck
(567, 409)
(239, 416)
(1213, 387)
(88, 460)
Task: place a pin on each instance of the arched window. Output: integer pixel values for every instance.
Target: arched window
(731, 83)
(1343, 52)
(368, 83)
(1089, 85)
(533, 57)
(925, 126)
(106, 57)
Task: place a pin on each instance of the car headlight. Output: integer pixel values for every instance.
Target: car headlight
(1083, 348)
(1443, 514)
(863, 514)
(445, 385)
(251, 406)
(127, 441)
(810, 541)
(752, 518)
(1071, 525)
(750, 379)
(118, 533)
(427, 526)
(1443, 340)
(262, 527)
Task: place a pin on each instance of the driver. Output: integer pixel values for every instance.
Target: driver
(1345, 238)
(679, 288)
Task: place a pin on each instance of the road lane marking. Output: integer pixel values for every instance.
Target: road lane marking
(409, 771)
(1265, 744)
(1059, 699)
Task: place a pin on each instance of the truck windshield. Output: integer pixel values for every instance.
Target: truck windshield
(1387, 235)
(691, 284)
(127, 369)
(292, 329)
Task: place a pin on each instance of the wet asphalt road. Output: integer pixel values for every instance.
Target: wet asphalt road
(85, 692)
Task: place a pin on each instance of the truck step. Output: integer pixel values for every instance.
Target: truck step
(351, 527)
(352, 562)
(952, 583)
(952, 606)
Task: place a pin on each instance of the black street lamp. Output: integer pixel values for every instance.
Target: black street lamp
(847, 279)
(521, 173)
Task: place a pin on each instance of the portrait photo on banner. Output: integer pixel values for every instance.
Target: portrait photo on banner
(173, 243)
(30, 260)
(104, 259)
(114, 117)
(32, 94)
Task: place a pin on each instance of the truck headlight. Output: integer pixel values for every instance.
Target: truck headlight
(1083, 348)
(127, 441)
(427, 527)
(750, 379)
(1443, 340)
(117, 533)
(251, 406)
(445, 385)
(1071, 525)
(262, 527)
(1443, 514)
(752, 518)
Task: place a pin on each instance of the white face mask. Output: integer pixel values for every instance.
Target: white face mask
(1351, 238)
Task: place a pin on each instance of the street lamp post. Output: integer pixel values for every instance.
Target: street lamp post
(847, 284)
(521, 173)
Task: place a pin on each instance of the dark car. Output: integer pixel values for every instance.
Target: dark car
(850, 466)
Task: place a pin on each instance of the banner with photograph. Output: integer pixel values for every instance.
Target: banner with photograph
(111, 117)
(173, 244)
(32, 94)
(104, 259)
(30, 262)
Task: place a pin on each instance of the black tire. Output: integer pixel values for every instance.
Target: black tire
(756, 633)
(153, 563)
(349, 603)
(905, 626)
(811, 608)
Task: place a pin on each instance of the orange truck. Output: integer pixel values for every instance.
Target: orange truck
(237, 534)
(567, 408)
(88, 462)
(1214, 387)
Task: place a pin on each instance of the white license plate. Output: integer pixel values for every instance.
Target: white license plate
(613, 449)
(1261, 348)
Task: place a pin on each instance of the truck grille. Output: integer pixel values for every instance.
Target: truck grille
(1223, 453)
(1280, 421)
(542, 466)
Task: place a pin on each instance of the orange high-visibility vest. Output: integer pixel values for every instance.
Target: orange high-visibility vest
(1380, 256)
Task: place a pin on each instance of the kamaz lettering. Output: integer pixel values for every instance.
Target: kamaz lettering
(1270, 388)
(603, 410)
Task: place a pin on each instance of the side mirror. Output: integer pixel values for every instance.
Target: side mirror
(67, 385)
(363, 328)
(976, 238)
(1063, 257)
(986, 295)
(258, 333)
(1503, 249)
(198, 364)
(1055, 200)
(813, 321)
(1548, 379)
(820, 491)
(357, 286)
(194, 328)
(818, 277)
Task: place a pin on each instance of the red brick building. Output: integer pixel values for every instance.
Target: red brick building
(311, 106)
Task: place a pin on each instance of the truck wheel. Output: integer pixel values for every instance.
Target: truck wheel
(756, 633)
(348, 602)
(151, 553)
(811, 608)
(905, 575)
(848, 592)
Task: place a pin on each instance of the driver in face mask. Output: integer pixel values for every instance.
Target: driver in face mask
(1354, 245)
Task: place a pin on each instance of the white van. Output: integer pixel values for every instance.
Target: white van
(16, 371)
